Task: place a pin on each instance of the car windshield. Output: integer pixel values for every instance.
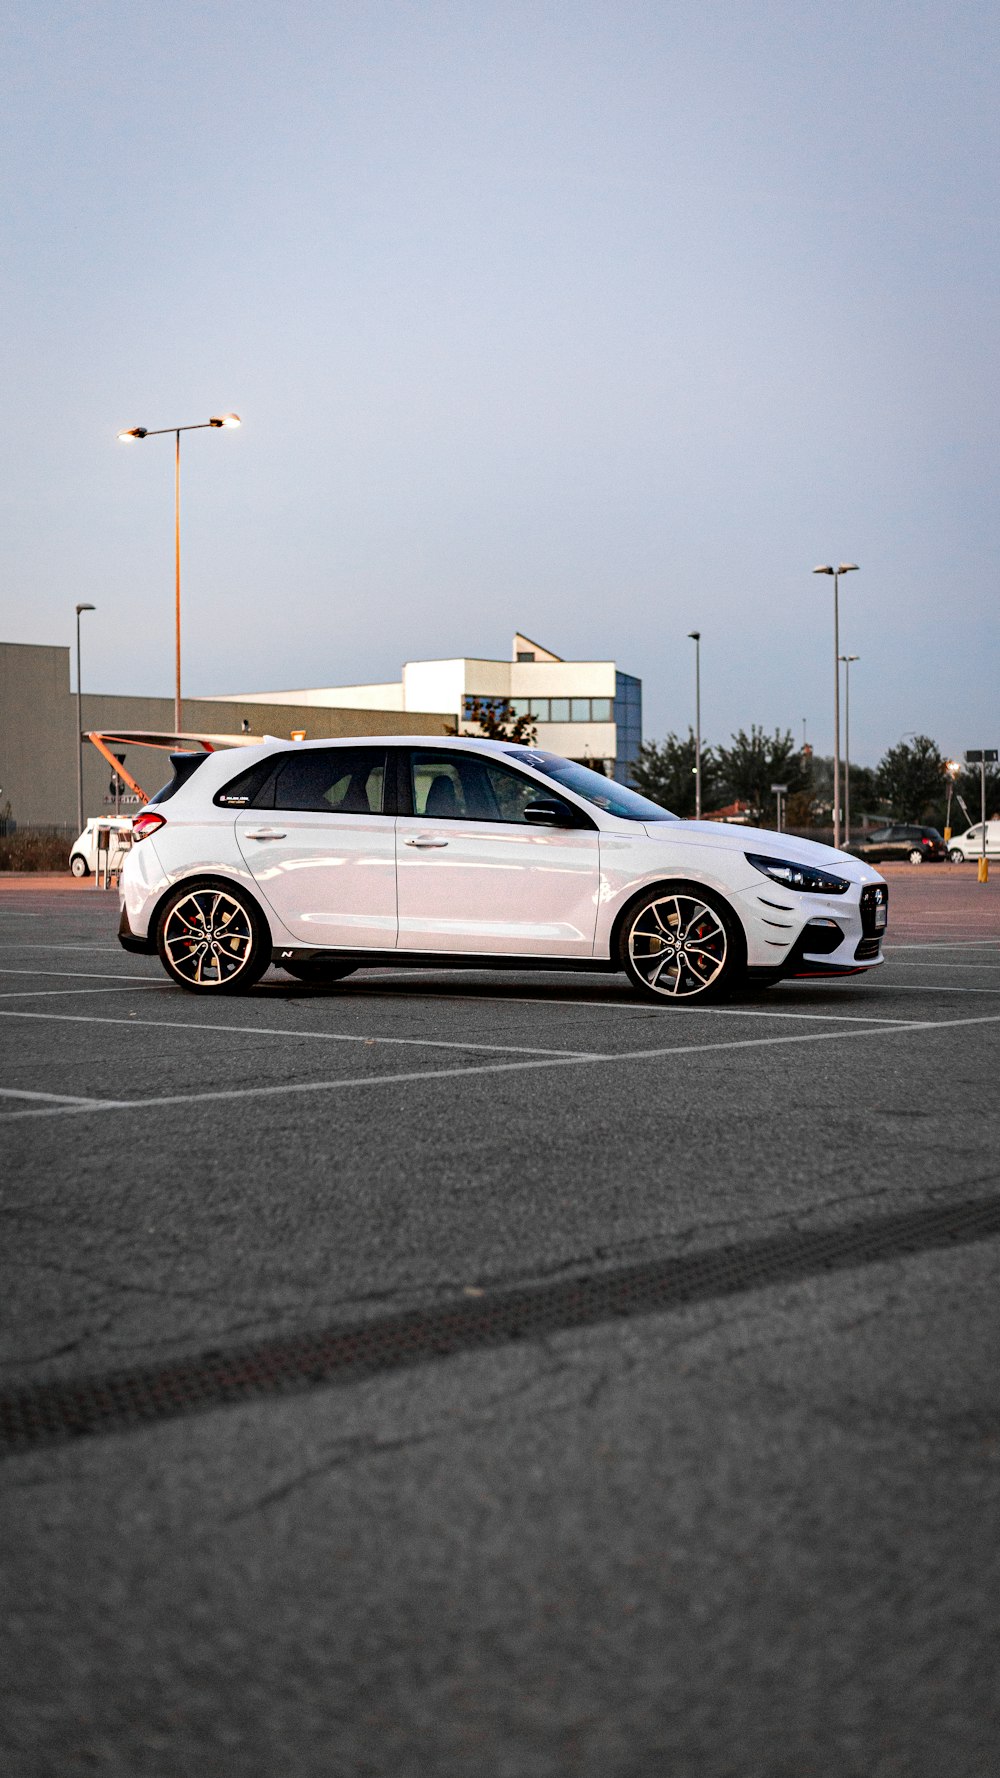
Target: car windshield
(604, 793)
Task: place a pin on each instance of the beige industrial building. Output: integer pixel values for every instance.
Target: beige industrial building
(38, 784)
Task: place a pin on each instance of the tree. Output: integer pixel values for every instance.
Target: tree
(911, 778)
(755, 761)
(497, 722)
(664, 771)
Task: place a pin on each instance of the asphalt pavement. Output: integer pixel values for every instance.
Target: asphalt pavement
(451, 1373)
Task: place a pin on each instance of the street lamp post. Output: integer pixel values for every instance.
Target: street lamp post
(135, 432)
(843, 568)
(695, 637)
(79, 722)
(847, 659)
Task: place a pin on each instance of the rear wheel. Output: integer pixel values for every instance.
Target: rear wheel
(319, 969)
(212, 939)
(680, 944)
(915, 855)
(78, 865)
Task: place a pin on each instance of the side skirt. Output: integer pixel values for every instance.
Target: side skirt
(438, 960)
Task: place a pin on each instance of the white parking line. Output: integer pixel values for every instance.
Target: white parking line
(448, 1074)
(85, 975)
(53, 1098)
(122, 988)
(515, 1049)
(940, 944)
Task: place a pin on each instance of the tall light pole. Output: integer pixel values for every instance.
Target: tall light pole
(844, 568)
(695, 637)
(847, 659)
(135, 432)
(79, 722)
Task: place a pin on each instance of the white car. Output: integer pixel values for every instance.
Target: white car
(970, 843)
(328, 856)
(83, 852)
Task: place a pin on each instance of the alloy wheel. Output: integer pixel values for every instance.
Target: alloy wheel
(678, 946)
(207, 938)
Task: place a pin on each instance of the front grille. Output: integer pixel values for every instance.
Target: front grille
(874, 895)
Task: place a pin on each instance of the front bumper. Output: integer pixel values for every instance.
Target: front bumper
(808, 935)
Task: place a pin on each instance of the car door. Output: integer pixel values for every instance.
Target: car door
(319, 843)
(474, 875)
(873, 846)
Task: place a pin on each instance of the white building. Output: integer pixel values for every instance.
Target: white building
(586, 710)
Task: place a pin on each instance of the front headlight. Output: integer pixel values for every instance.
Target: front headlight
(803, 877)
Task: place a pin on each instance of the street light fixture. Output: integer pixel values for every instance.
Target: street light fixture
(847, 659)
(843, 568)
(695, 637)
(129, 436)
(79, 722)
(952, 767)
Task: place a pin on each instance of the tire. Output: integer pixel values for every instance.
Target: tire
(212, 938)
(319, 969)
(79, 866)
(955, 856)
(687, 974)
(915, 856)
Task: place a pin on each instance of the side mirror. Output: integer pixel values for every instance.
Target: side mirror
(544, 814)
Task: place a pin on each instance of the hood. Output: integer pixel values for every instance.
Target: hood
(731, 836)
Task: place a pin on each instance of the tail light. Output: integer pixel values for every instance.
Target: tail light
(145, 824)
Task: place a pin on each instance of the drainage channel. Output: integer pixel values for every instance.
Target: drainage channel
(52, 1413)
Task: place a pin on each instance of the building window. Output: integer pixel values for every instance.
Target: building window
(628, 724)
(554, 709)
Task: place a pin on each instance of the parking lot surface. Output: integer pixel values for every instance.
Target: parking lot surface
(451, 1373)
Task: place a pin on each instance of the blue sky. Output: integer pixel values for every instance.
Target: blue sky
(605, 321)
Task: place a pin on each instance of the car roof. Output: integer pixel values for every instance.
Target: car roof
(471, 742)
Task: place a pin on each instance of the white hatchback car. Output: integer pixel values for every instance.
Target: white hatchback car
(327, 856)
(83, 852)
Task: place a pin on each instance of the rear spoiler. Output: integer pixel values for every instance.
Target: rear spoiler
(179, 741)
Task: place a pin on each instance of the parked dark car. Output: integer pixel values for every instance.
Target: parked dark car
(919, 844)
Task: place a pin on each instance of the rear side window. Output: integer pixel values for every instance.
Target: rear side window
(243, 792)
(334, 781)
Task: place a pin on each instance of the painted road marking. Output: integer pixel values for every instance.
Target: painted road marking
(219, 1095)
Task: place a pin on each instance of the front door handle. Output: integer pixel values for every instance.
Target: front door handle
(426, 840)
(263, 833)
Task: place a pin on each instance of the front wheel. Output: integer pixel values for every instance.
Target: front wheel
(318, 969)
(78, 865)
(955, 856)
(916, 856)
(681, 943)
(212, 939)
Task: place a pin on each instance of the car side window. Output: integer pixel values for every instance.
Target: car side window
(332, 781)
(469, 787)
(879, 838)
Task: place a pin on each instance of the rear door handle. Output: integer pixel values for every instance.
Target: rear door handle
(426, 840)
(264, 833)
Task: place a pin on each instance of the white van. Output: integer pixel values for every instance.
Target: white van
(83, 852)
(970, 844)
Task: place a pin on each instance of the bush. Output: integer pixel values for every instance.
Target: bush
(34, 852)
